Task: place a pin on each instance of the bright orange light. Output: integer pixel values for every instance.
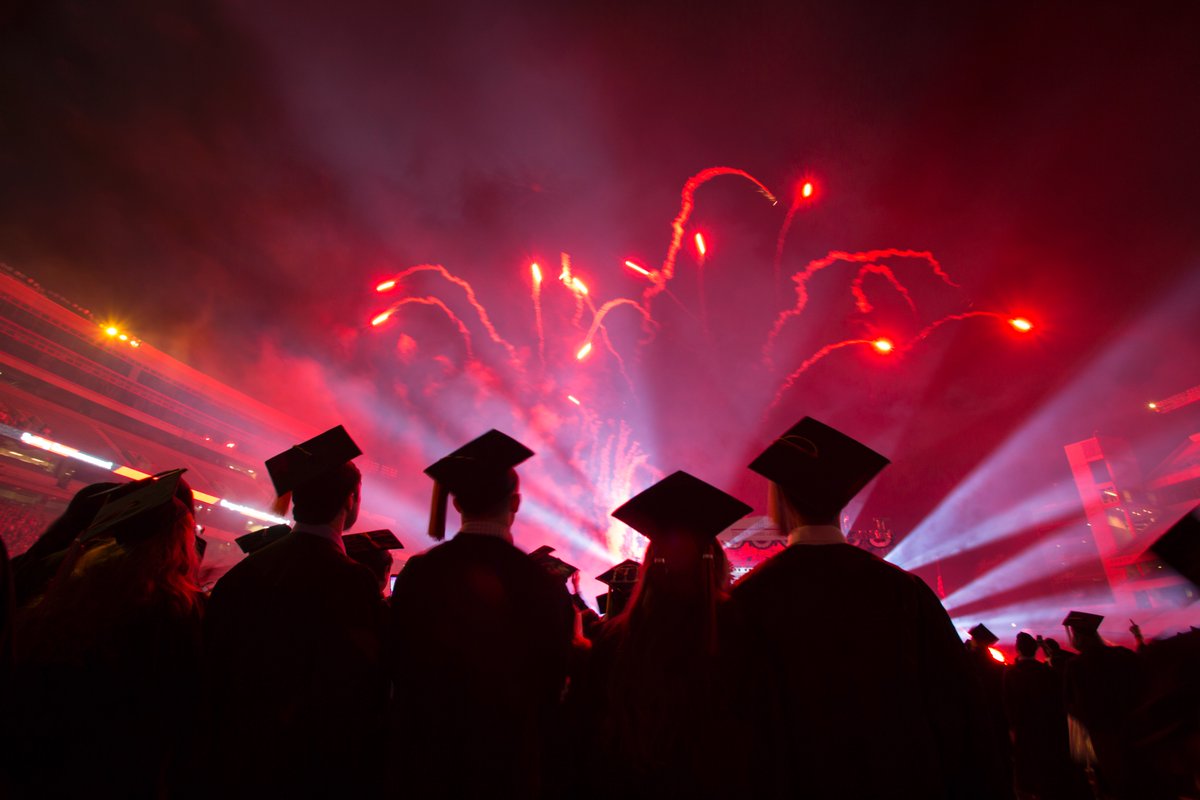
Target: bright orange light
(573, 399)
(130, 472)
(1021, 324)
(700, 248)
(537, 273)
(883, 345)
(205, 498)
(111, 331)
(578, 284)
(637, 267)
(997, 655)
(382, 318)
(583, 351)
(123, 337)
(807, 189)
(386, 285)
(135, 343)
(1152, 406)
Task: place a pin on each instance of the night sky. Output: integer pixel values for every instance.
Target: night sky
(231, 180)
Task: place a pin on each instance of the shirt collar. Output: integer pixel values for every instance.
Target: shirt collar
(496, 529)
(816, 534)
(327, 532)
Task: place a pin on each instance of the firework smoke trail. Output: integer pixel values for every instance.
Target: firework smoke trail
(813, 359)
(484, 319)
(596, 326)
(660, 278)
(430, 301)
(860, 296)
(933, 326)
(536, 273)
(598, 316)
(836, 256)
(803, 195)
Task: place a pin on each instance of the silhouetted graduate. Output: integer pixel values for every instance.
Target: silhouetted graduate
(989, 677)
(296, 677)
(620, 580)
(1166, 726)
(650, 709)
(1103, 686)
(1033, 704)
(107, 659)
(373, 549)
(855, 680)
(480, 638)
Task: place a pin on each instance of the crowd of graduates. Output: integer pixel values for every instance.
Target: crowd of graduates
(824, 673)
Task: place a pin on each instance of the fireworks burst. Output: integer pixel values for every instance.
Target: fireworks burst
(606, 457)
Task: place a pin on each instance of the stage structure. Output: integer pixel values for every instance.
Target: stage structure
(1126, 512)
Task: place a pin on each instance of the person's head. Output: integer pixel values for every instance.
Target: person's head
(331, 497)
(1027, 646)
(74, 520)
(1083, 629)
(1051, 646)
(142, 562)
(680, 573)
(792, 509)
(377, 560)
(1083, 639)
(684, 572)
(489, 498)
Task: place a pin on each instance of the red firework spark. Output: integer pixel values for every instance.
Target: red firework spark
(817, 356)
(686, 205)
(484, 319)
(838, 256)
(430, 301)
(860, 296)
(924, 333)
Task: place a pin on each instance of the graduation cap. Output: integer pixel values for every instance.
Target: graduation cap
(256, 540)
(681, 504)
(814, 461)
(1083, 621)
(620, 580)
(623, 574)
(303, 462)
(553, 564)
(134, 511)
(477, 473)
(370, 542)
(981, 634)
(1179, 547)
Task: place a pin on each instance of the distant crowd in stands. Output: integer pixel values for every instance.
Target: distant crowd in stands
(823, 673)
(21, 523)
(23, 420)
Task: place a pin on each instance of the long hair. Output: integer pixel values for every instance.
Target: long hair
(663, 669)
(106, 582)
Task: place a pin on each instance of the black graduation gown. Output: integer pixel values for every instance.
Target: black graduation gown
(1033, 705)
(1104, 686)
(854, 682)
(683, 721)
(296, 682)
(480, 637)
(114, 719)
